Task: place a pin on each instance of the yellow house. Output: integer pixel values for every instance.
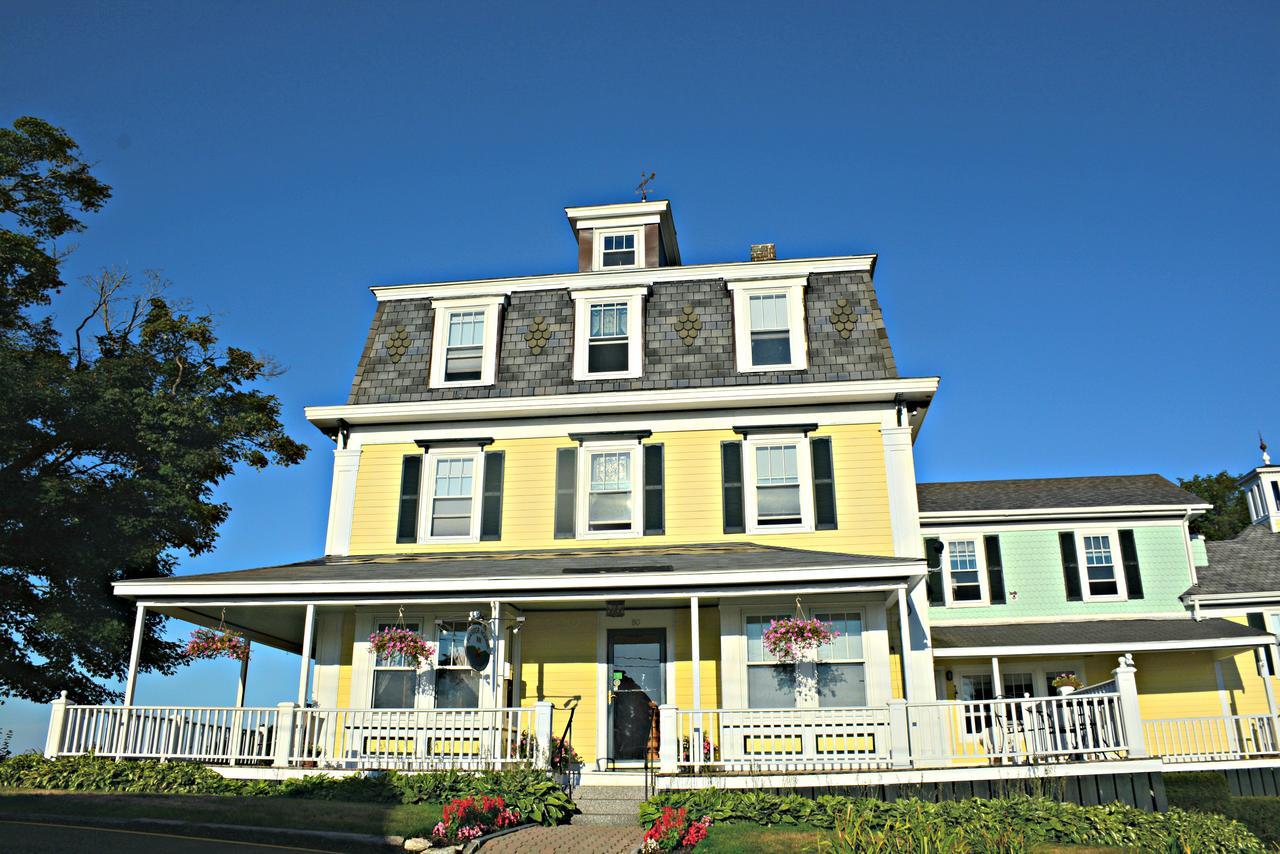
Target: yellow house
(592, 493)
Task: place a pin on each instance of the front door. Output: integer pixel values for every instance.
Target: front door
(637, 684)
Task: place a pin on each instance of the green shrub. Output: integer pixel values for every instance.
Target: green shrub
(533, 792)
(1260, 815)
(1206, 791)
(979, 824)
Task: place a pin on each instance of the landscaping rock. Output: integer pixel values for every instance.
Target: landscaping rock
(417, 843)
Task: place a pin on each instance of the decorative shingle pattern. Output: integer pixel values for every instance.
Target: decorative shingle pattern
(1247, 563)
(687, 324)
(842, 317)
(670, 361)
(1053, 492)
(397, 344)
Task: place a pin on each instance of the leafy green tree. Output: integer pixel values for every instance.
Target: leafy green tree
(1230, 513)
(113, 439)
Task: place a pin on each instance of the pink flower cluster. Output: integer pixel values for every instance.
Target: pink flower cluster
(466, 819)
(396, 641)
(210, 643)
(790, 638)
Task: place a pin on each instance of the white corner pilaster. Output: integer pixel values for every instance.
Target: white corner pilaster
(904, 507)
(342, 501)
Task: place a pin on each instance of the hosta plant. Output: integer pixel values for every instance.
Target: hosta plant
(398, 642)
(792, 638)
(216, 643)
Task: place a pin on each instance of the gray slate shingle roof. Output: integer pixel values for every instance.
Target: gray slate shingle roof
(1092, 632)
(1053, 492)
(1248, 563)
(668, 362)
(568, 564)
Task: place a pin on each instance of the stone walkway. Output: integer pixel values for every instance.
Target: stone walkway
(568, 839)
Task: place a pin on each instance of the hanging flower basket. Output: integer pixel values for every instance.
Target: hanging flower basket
(791, 638)
(397, 641)
(216, 643)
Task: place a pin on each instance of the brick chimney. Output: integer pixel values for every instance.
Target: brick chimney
(763, 252)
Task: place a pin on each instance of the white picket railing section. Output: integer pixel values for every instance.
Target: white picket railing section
(413, 738)
(212, 734)
(784, 740)
(1015, 731)
(1209, 739)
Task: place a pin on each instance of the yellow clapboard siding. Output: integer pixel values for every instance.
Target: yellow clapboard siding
(345, 651)
(692, 493)
(558, 655)
(708, 654)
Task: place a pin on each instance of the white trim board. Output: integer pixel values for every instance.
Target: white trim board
(588, 404)
(628, 276)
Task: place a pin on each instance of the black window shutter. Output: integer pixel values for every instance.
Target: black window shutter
(491, 502)
(1070, 565)
(566, 492)
(410, 486)
(731, 479)
(1132, 572)
(655, 521)
(995, 569)
(933, 581)
(1258, 620)
(824, 484)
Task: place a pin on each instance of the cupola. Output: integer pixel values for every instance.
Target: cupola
(634, 235)
(1262, 492)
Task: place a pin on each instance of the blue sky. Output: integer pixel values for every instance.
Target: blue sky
(1073, 203)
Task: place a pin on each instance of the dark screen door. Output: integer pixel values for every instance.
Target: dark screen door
(636, 679)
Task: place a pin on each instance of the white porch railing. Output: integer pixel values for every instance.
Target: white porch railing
(413, 738)
(288, 736)
(783, 740)
(212, 734)
(1017, 731)
(1209, 739)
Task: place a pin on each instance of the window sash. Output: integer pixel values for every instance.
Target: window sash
(1100, 566)
(965, 572)
(453, 483)
(464, 346)
(619, 250)
(777, 475)
(610, 498)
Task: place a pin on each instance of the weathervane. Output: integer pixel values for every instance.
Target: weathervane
(643, 187)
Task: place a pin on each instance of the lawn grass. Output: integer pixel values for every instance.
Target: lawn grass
(736, 837)
(287, 813)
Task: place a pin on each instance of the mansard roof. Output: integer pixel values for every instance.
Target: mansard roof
(846, 335)
(1247, 563)
(1112, 491)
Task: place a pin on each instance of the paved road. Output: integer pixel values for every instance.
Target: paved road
(41, 837)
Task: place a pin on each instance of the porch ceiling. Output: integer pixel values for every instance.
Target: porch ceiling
(1093, 636)
(488, 575)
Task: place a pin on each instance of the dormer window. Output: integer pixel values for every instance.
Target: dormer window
(769, 328)
(608, 334)
(464, 349)
(619, 250)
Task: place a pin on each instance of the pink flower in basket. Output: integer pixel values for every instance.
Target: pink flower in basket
(790, 638)
(213, 643)
(399, 642)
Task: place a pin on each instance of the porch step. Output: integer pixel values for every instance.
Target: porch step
(608, 805)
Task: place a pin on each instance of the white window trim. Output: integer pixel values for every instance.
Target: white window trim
(582, 302)
(420, 699)
(491, 307)
(584, 531)
(428, 489)
(755, 612)
(804, 468)
(597, 248)
(980, 550)
(1117, 565)
(742, 293)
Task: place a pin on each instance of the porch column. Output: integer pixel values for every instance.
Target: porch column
(904, 641)
(308, 641)
(695, 653)
(244, 675)
(1264, 670)
(135, 652)
(495, 660)
(997, 684)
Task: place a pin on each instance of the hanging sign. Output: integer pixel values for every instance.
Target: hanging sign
(477, 646)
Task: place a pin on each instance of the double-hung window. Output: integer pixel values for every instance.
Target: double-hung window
(464, 345)
(841, 671)
(395, 678)
(608, 333)
(457, 685)
(610, 483)
(769, 325)
(770, 684)
(618, 250)
(452, 506)
(964, 572)
(779, 483)
(1100, 566)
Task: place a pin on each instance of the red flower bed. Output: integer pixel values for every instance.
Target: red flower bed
(466, 819)
(674, 832)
